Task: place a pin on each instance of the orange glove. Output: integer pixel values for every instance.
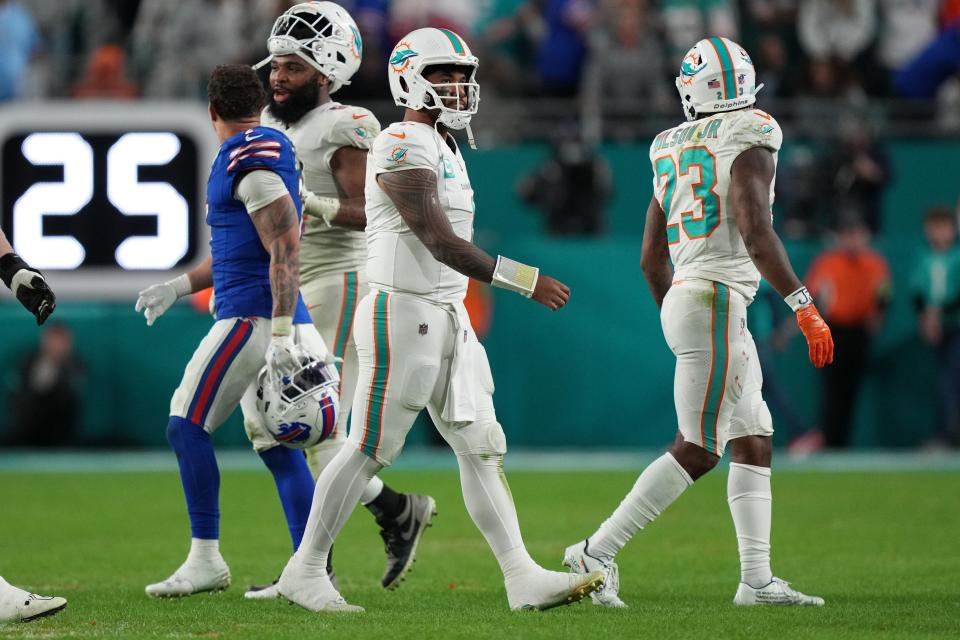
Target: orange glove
(817, 333)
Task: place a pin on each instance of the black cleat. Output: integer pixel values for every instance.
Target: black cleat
(400, 541)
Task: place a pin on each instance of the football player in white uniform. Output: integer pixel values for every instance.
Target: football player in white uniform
(30, 288)
(315, 48)
(415, 343)
(713, 188)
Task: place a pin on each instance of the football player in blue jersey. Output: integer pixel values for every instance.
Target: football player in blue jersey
(254, 213)
(30, 288)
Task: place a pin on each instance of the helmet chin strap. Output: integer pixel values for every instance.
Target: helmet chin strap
(470, 140)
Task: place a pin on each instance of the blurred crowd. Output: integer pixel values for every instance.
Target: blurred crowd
(598, 50)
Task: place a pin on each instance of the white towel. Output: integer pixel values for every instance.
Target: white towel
(460, 406)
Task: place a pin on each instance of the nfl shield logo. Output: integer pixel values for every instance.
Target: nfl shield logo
(713, 84)
(423, 329)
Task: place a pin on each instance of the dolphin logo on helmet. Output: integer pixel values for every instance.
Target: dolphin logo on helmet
(424, 48)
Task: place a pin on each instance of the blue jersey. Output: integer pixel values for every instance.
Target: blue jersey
(241, 266)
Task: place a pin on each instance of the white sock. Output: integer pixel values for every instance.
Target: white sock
(334, 499)
(203, 550)
(490, 505)
(750, 499)
(658, 486)
(372, 490)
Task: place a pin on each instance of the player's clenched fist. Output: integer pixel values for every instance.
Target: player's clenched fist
(28, 285)
(551, 293)
(817, 333)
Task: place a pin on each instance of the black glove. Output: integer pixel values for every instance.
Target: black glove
(28, 286)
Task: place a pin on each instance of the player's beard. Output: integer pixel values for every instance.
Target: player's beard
(297, 104)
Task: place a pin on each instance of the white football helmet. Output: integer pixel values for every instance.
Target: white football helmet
(716, 75)
(423, 48)
(323, 34)
(299, 411)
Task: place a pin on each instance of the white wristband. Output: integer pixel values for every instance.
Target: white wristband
(321, 207)
(181, 285)
(515, 276)
(799, 299)
(281, 325)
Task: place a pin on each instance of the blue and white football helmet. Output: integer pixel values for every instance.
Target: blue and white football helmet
(301, 410)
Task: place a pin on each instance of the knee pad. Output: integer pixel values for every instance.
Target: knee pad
(751, 418)
(484, 438)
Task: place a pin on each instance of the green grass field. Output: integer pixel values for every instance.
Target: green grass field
(881, 548)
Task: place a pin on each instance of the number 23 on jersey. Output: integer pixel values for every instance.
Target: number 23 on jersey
(697, 171)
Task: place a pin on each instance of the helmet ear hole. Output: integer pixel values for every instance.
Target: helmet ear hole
(404, 85)
(340, 57)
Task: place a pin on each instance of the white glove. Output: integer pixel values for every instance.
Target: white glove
(157, 298)
(320, 206)
(284, 357)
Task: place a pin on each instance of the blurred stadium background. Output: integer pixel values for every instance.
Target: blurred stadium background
(867, 92)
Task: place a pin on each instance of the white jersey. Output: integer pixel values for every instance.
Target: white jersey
(397, 261)
(326, 249)
(691, 179)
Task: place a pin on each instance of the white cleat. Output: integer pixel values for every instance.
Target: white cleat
(191, 578)
(313, 593)
(776, 592)
(578, 559)
(542, 589)
(17, 605)
(271, 592)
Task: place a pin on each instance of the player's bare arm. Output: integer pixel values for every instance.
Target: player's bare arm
(750, 179)
(751, 175)
(655, 254)
(414, 193)
(279, 231)
(349, 167)
(5, 246)
(201, 276)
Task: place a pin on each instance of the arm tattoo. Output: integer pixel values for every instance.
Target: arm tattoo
(414, 193)
(279, 231)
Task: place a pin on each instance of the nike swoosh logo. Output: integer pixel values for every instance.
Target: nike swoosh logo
(357, 116)
(411, 523)
(251, 138)
(398, 135)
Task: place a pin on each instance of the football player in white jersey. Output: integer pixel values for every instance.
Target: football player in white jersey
(710, 215)
(414, 339)
(30, 288)
(315, 48)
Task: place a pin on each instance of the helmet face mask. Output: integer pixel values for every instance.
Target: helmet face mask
(447, 97)
(716, 75)
(299, 411)
(324, 35)
(414, 56)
